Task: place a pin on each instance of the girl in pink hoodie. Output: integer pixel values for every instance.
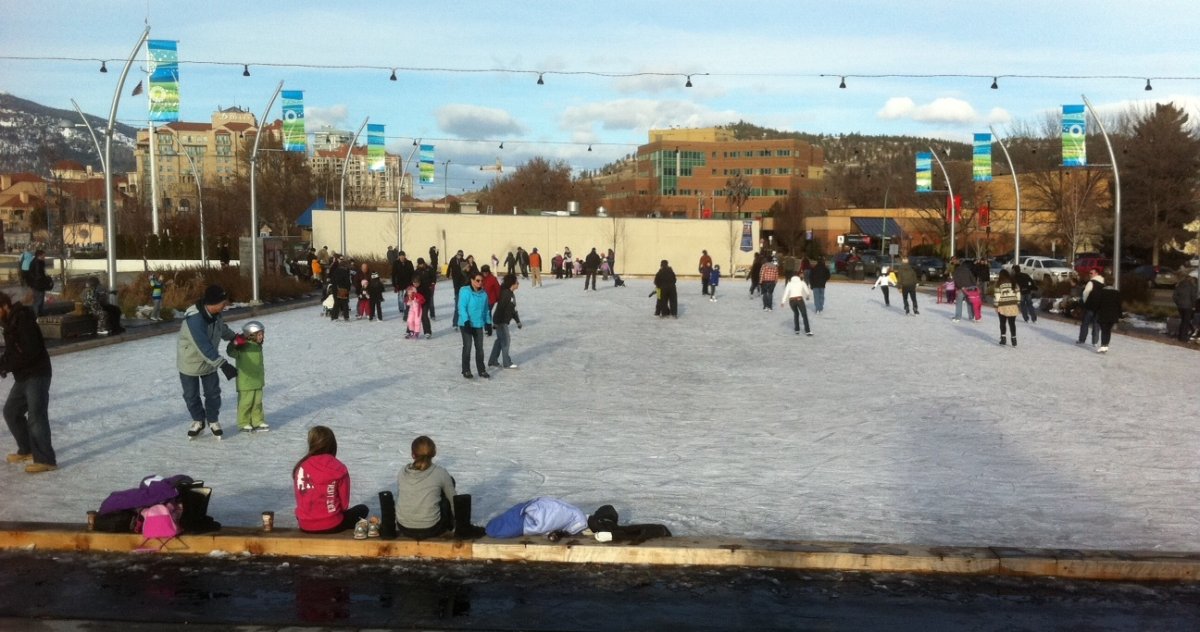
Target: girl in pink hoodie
(322, 487)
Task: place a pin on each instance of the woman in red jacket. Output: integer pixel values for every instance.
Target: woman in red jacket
(322, 486)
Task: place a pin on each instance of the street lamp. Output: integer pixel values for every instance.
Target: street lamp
(446, 184)
(200, 203)
(109, 132)
(345, 166)
(400, 194)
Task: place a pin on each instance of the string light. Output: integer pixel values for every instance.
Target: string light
(689, 82)
(393, 77)
(245, 70)
(995, 86)
(1148, 86)
(541, 82)
(103, 67)
(842, 85)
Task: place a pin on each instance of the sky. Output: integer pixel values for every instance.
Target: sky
(721, 423)
(467, 71)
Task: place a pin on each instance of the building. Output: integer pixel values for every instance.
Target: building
(364, 188)
(687, 172)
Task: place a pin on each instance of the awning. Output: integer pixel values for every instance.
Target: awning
(874, 226)
(305, 218)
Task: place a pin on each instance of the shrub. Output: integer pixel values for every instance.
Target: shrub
(1134, 289)
(1055, 290)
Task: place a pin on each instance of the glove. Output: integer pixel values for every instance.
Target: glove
(487, 329)
(518, 325)
(3, 374)
(239, 341)
(229, 370)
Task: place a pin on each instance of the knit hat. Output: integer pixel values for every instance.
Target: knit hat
(214, 294)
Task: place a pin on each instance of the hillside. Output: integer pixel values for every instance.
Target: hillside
(33, 136)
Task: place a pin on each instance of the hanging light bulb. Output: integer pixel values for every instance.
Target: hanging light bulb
(245, 70)
(689, 82)
(393, 77)
(1148, 86)
(501, 144)
(540, 81)
(103, 66)
(994, 85)
(589, 147)
(842, 85)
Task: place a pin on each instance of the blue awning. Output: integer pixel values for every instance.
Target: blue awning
(305, 218)
(874, 226)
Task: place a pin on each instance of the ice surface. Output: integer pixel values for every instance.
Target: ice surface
(878, 428)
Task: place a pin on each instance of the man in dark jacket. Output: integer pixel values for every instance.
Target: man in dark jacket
(907, 278)
(817, 280)
(27, 409)
(39, 281)
(1185, 301)
(668, 298)
(402, 277)
(963, 279)
(523, 260)
(339, 278)
(1106, 301)
(1089, 322)
(591, 265)
(1027, 287)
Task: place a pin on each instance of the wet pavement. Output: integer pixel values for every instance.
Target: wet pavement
(156, 592)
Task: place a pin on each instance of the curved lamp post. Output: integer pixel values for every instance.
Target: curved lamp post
(345, 166)
(953, 208)
(110, 220)
(254, 199)
(1116, 196)
(1017, 192)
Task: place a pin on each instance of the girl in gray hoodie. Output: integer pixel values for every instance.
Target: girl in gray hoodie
(425, 490)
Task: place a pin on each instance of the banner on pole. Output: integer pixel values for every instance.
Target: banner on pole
(982, 158)
(924, 172)
(1074, 135)
(163, 61)
(427, 164)
(954, 209)
(294, 138)
(747, 235)
(985, 215)
(376, 156)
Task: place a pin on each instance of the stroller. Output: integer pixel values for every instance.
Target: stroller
(617, 282)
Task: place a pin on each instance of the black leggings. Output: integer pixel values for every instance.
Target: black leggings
(350, 517)
(1012, 325)
(798, 310)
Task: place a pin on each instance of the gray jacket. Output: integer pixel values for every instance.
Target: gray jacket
(419, 494)
(1185, 293)
(197, 351)
(963, 276)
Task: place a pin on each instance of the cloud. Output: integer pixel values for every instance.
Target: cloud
(473, 121)
(937, 112)
(641, 115)
(334, 117)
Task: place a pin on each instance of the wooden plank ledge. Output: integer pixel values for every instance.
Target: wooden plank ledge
(676, 551)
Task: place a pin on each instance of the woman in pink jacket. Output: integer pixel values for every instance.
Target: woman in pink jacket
(322, 486)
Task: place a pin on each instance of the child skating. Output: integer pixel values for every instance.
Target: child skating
(416, 309)
(246, 350)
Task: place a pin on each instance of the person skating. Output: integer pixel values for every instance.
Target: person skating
(768, 276)
(1089, 322)
(906, 278)
(375, 297)
(535, 266)
(341, 284)
(198, 358)
(818, 278)
(247, 352)
(1008, 305)
(668, 297)
(963, 278)
(415, 308)
(27, 409)
(402, 277)
(795, 293)
(591, 265)
(1107, 305)
(886, 280)
(474, 316)
(428, 281)
(1027, 287)
(705, 268)
(505, 312)
(714, 279)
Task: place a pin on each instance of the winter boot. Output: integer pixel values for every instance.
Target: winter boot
(463, 529)
(1014, 341)
(1003, 340)
(387, 511)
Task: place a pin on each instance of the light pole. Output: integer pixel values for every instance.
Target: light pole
(254, 199)
(1016, 192)
(1116, 196)
(110, 219)
(200, 203)
(953, 206)
(446, 183)
(345, 166)
(400, 194)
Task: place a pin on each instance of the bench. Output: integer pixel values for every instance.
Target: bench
(64, 319)
(742, 271)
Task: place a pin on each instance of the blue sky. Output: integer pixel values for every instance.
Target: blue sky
(763, 62)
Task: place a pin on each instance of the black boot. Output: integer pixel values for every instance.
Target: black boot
(1003, 340)
(387, 511)
(463, 529)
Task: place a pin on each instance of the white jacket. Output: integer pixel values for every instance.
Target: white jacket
(796, 287)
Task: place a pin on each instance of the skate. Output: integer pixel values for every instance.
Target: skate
(215, 427)
(195, 429)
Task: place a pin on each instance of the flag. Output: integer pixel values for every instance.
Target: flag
(981, 159)
(924, 172)
(1074, 135)
(426, 164)
(985, 215)
(376, 156)
(136, 90)
(163, 61)
(294, 138)
(954, 210)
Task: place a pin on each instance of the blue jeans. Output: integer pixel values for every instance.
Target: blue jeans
(819, 299)
(799, 311)
(960, 296)
(768, 293)
(500, 347)
(28, 419)
(472, 336)
(1089, 320)
(210, 410)
(1028, 312)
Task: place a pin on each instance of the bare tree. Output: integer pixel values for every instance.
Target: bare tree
(1077, 197)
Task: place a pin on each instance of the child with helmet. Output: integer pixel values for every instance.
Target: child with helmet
(246, 350)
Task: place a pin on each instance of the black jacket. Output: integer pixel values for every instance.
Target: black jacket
(506, 308)
(665, 278)
(592, 262)
(428, 278)
(1108, 304)
(402, 274)
(25, 353)
(819, 276)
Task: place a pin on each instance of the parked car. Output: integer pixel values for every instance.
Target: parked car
(1156, 276)
(842, 262)
(1085, 265)
(994, 268)
(1046, 269)
(928, 268)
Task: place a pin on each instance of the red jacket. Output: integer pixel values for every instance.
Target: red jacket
(322, 486)
(491, 285)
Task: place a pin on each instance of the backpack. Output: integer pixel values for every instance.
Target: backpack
(160, 522)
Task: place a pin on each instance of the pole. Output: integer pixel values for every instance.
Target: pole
(446, 184)
(254, 198)
(1016, 192)
(400, 197)
(110, 223)
(953, 207)
(200, 202)
(345, 166)
(1116, 196)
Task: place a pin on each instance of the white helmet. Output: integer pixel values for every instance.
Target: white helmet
(252, 328)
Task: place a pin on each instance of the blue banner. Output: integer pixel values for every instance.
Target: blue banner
(163, 60)
(427, 168)
(747, 235)
(1074, 134)
(981, 164)
(376, 156)
(924, 172)
(294, 138)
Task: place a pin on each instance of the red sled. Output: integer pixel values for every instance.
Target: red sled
(976, 298)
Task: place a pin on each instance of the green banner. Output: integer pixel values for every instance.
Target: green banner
(376, 156)
(981, 160)
(924, 172)
(294, 138)
(163, 60)
(1074, 136)
(427, 164)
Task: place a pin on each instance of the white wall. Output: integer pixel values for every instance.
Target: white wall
(640, 243)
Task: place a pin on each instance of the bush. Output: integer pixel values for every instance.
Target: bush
(1134, 289)
(1055, 290)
